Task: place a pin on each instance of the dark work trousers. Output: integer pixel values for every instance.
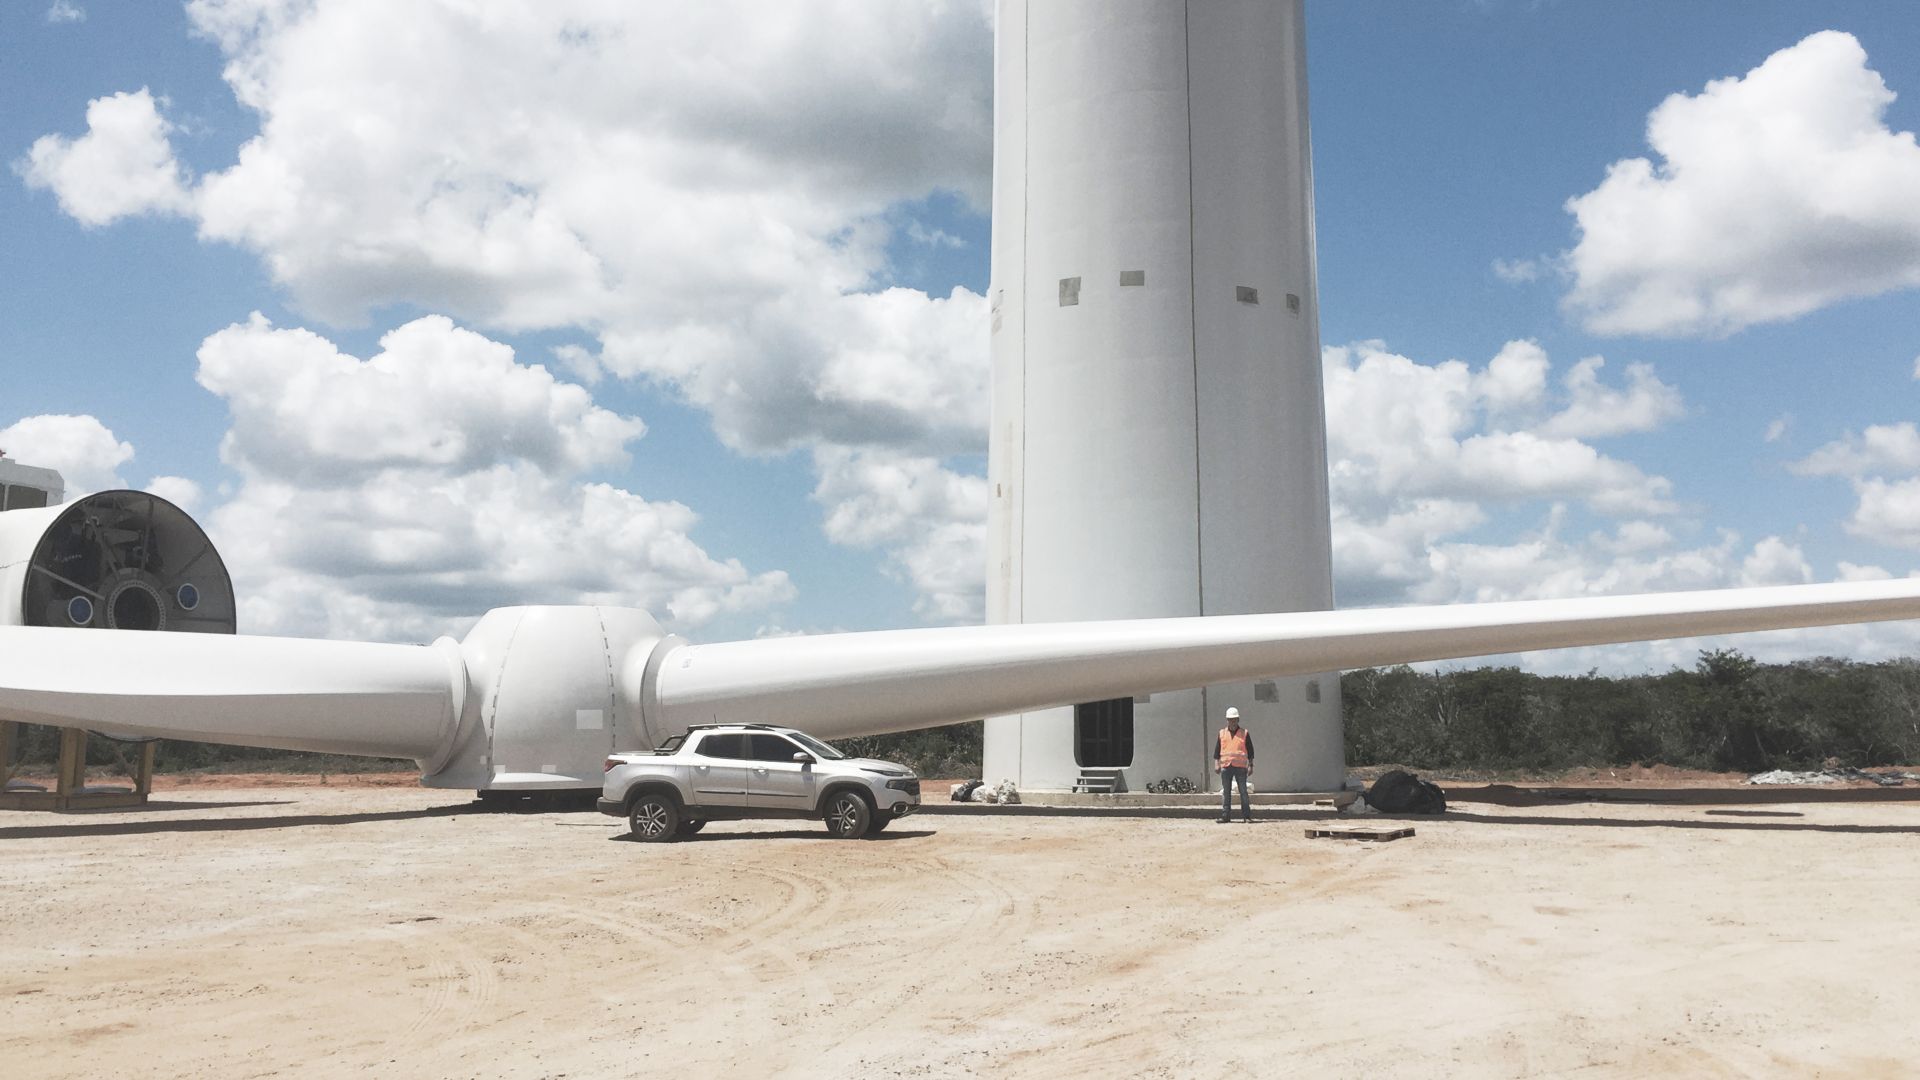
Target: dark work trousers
(1228, 776)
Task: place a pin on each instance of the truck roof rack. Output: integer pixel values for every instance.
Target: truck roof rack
(756, 727)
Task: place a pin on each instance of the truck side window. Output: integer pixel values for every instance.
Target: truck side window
(772, 748)
(724, 746)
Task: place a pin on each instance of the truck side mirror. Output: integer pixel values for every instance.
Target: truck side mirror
(802, 757)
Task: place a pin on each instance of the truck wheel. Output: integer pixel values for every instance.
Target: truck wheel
(654, 818)
(849, 815)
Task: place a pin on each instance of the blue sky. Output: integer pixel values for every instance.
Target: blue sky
(693, 229)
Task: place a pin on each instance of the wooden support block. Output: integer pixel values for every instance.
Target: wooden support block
(72, 767)
(6, 752)
(1359, 832)
(70, 790)
(29, 800)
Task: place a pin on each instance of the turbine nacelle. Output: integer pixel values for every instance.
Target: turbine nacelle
(548, 692)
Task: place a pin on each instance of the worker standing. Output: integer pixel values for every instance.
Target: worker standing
(1233, 760)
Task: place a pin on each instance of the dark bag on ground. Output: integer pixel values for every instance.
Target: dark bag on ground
(964, 793)
(1401, 792)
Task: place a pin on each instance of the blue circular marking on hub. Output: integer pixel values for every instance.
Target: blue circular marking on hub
(187, 596)
(80, 610)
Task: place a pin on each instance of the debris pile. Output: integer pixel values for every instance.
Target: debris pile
(1005, 792)
(1401, 792)
(1886, 778)
(1173, 785)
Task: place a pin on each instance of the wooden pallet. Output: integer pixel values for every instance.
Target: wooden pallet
(1359, 832)
(71, 790)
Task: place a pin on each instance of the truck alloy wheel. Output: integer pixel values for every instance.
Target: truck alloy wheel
(654, 818)
(848, 815)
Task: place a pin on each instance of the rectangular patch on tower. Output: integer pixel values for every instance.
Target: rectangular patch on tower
(1133, 277)
(588, 719)
(1246, 294)
(1069, 291)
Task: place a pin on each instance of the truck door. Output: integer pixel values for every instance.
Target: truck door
(719, 770)
(774, 779)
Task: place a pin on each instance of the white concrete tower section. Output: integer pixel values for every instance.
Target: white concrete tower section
(1158, 443)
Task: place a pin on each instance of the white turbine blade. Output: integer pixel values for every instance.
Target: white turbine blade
(897, 680)
(288, 693)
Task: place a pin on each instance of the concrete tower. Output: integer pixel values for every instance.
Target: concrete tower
(1158, 443)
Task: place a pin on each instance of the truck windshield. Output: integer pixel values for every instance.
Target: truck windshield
(820, 750)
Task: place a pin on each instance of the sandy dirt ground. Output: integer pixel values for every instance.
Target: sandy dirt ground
(383, 931)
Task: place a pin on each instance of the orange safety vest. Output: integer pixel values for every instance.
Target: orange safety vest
(1233, 748)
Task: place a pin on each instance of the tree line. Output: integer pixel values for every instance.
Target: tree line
(1728, 713)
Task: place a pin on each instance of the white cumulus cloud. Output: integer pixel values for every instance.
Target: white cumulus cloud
(399, 496)
(1878, 449)
(178, 490)
(1420, 455)
(1775, 194)
(83, 450)
(1400, 431)
(1518, 271)
(931, 521)
(706, 190)
(121, 167)
(436, 396)
(1454, 484)
(1597, 410)
(1882, 464)
(1887, 512)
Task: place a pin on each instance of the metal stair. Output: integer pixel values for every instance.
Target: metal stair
(1100, 782)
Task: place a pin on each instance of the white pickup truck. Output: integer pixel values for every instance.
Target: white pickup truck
(732, 772)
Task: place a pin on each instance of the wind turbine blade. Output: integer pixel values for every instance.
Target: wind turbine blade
(287, 693)
(897, 680)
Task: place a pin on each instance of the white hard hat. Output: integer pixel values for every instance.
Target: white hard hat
(1233, 713)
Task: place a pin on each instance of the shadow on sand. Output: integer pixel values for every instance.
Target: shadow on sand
(708, 837)
(1509, 795)
(177, 825)
(1504, 795)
